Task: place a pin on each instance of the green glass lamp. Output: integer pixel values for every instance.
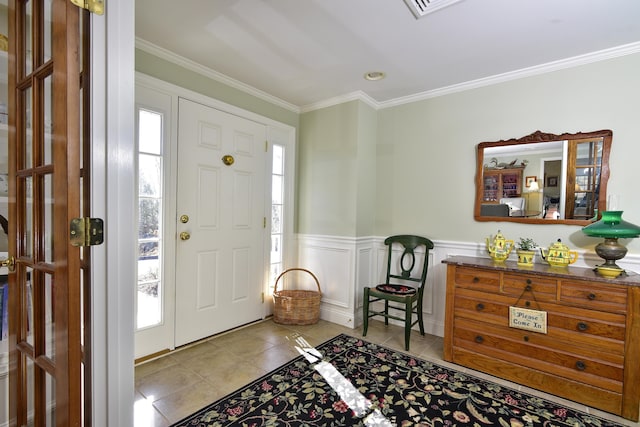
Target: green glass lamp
(612, 227)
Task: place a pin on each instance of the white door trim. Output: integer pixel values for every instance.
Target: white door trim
(277, 132)
(113, 168)
(207, 100)
(146, 339)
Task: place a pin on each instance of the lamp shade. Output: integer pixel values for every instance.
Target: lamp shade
(611, 225)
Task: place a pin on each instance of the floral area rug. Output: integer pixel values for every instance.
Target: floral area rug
(350, 382)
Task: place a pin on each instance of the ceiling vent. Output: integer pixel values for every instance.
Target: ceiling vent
(420, 8)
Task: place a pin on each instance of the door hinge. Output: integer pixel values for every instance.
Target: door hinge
(93, 6)
(266, 146)
(86, 231)
(264, 222)
(262, 296)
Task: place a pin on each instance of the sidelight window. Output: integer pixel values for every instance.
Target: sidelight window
(149, 295)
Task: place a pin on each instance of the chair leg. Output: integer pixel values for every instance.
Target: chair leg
(407, 323)
(365, 312)
(386, 312)
(420, 321)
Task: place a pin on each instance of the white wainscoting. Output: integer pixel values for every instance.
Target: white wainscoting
(344, 266)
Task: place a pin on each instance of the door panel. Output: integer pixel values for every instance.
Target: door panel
(220, 248)
(46, 296)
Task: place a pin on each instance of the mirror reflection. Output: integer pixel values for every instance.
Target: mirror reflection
(543, 177)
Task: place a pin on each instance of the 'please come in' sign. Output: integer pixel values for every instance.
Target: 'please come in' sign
(530, 320)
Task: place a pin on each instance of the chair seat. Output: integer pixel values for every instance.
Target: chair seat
(396, 289)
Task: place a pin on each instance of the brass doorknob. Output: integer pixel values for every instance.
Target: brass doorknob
(10, 263)
(185, 236)
(228, 159)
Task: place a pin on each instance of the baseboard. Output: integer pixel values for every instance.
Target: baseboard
(340, 317)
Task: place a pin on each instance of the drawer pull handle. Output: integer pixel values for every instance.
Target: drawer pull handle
(476, 279)
(479, 339)
(591, 296)
(528, 282)
(480, 307)
(580, 366)
(582, 326)
(526, 338)
(528, 287)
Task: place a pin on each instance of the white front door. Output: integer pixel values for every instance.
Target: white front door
(220, 257)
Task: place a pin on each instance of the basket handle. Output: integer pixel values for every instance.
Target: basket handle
(275, 287)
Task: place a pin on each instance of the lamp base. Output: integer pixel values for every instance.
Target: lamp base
(610, 251)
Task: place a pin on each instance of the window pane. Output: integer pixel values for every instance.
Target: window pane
(276, 248)
(150, 132)
(48, 114)
(150, 169)
(276, 189)
(28, 223)
(48, 215)
(48, 36)
(278, 160)
(28, 45)
(50, 397)
(148, 250)
(149, 293)
(28, 120)
(27, 306)
(149, 218)
(276, 218)
(49, 318)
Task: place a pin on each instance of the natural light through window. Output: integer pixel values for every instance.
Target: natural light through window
(277, 205)
(149, 288)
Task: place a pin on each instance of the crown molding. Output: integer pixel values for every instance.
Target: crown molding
(188, 64)
(353, 96)
(576, 61)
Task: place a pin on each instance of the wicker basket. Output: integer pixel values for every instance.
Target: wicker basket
(296, 307)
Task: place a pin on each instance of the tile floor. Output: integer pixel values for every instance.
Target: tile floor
(175, 385)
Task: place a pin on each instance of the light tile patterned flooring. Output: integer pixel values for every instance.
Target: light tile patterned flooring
(175, 385)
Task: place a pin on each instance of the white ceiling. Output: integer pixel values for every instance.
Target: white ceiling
(306, 52)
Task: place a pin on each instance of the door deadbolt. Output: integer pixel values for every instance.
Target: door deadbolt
(184, 219)
(185, 236)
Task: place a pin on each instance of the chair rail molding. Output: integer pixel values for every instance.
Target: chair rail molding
(345, 265)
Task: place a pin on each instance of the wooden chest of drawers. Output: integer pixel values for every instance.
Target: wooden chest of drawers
(588, 351)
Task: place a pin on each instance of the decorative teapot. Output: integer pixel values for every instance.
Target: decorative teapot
(499, 247)
(559, 255)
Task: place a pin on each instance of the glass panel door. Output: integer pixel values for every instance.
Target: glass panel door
(4, 215)
(46, 310)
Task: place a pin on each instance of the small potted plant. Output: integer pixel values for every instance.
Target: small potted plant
(525, 249)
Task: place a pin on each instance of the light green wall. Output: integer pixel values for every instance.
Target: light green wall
(426, 150)
(337, 185)
(169, 72)
(366, 172)
(328, 170)
(411, 168)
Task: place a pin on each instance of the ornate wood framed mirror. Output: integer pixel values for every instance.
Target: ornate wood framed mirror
(543, 178)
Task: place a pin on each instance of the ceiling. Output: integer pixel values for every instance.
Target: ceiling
(306, 52)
